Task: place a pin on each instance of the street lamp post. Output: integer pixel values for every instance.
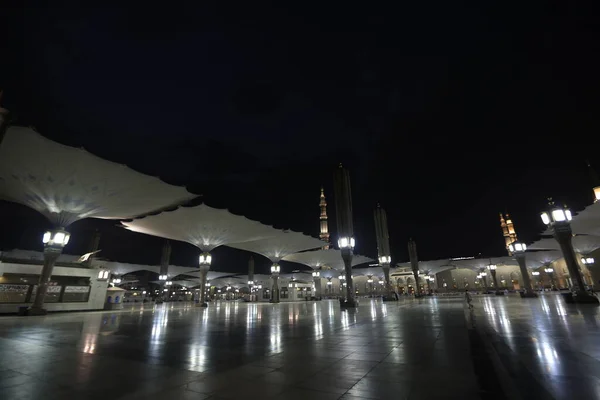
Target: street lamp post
(484, 278)
(317, 280)
(370, 285)
(54, 241)
(492, 268)
(589, 262)
(343, 208)
(536, 273)
(329, 284)
(550, 272)
(204, 260)
(414, 263)
(251, 277)
(275, 270)
(342, 279)
(383, 249)
(518, 250)
(558, 219)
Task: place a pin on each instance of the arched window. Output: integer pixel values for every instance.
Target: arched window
(109, 299)
(117, 299)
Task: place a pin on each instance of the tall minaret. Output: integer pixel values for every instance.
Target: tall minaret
(508, 231)
(324, 235)
(595, 181)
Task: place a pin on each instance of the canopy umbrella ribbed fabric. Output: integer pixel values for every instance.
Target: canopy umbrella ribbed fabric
(67, 184)
(202, 226)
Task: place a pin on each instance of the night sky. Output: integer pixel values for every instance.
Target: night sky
(444, 114)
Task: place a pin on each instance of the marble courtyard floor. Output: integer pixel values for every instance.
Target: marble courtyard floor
(431, 348)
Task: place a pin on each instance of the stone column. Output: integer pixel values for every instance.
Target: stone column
(493, 272)
(388, 285)
(595, 274)
(485, 284)
(275, 288)
(347, 257)
(54, 242)
(204, 262)
(520, 256)
(552, 282)
(203, 275)
(318, 289)
(564, 237)
(414, 263)
(38, 304)
(251, 277)
(343, 208)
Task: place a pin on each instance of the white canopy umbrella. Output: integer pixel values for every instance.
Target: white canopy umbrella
(280, 245)
(67, 184)
(202, 226)
(325, 259)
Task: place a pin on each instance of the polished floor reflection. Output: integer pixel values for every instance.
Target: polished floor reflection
(545, 347)
(413, 349)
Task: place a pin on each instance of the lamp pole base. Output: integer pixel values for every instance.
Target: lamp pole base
(528, 295)
(348, 303)
(585, 298)
(201, 304)
(36, 311)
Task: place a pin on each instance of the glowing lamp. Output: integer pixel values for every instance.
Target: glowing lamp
(275, 269)
(587, 260)
(205, 259)
(316, 274)
(492, 267)
(57, 238)
(557, 214)
(385, 260)
(103, 274)
(517, 247)
(346, 243)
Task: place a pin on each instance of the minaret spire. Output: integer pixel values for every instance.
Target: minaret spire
(324, 234)
(508, 231)
(595, 181)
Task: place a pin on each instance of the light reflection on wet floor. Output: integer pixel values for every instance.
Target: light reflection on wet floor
(552, 346)
(295, 350)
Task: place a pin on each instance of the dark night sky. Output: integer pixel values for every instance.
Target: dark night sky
(445, 114)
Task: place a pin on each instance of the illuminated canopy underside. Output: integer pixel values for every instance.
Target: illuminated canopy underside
(125, 268)
(586, 222)
(67, 184)
(202, 226)
(583, 244)
(331, 258)
(282, 244)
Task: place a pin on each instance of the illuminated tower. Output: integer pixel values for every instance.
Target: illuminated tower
(595, 181)
(508, 231)
(324, 235)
